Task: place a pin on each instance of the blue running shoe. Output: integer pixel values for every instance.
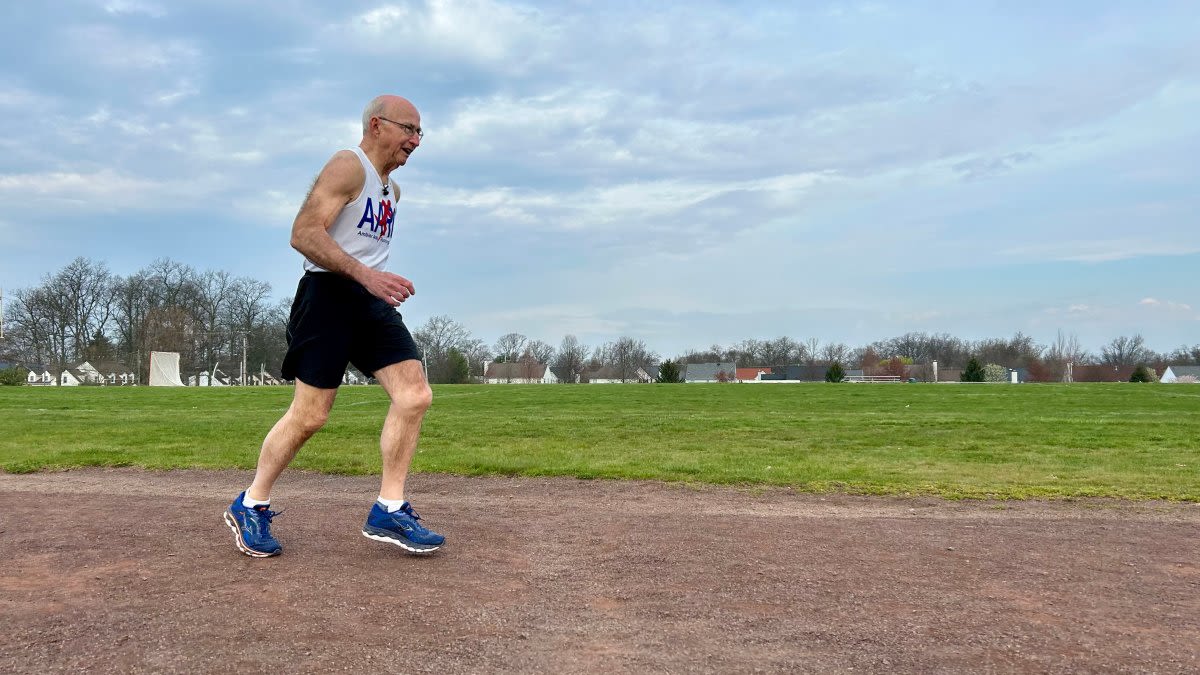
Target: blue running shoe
(252, 529)
(402, 529)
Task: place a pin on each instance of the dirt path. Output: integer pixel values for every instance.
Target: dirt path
(132, 571)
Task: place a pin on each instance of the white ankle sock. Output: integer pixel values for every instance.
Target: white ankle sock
(392, 505)
(251, 503)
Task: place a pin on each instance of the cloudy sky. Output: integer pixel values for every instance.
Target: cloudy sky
(685, 173)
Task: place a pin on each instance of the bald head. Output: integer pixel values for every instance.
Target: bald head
(386, 105)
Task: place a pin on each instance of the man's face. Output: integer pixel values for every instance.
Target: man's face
(400, 133)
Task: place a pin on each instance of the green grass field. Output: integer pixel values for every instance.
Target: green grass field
(1004, 441)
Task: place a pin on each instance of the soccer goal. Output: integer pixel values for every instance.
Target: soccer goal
(164, 369)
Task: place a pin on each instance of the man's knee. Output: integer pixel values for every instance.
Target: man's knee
(414, 400)
(309, 420)
(310, 408)
(406, 386)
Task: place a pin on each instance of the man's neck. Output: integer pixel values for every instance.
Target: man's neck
(381, 167)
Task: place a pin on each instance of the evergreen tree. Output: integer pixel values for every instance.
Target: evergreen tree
(458, 371)
(1141, 374)
(669, 372)
(973, 372)
(835, 373)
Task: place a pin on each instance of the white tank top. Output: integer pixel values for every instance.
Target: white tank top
(364, 227)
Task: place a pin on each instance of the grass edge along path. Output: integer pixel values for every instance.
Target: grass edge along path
(1130, 441)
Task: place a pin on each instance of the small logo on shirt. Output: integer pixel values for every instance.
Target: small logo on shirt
(381, 220)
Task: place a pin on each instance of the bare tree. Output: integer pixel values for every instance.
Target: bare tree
(1126, 351)
(1013, 353)
(88, 290)
(746, 353)
(477, 353)
(510, 346)
(834, 352)
(35, 320)
(1065, 350)
(132, 301)
(246, 314)
(437, 336)
(570, 359)
(780, 352)
(626, 355)
(541, 352)
(809, 351)
(1185, 355)
(170, 322)
(210, 300)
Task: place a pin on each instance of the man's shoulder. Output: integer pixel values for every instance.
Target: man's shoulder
(344, 160)
(344, 170)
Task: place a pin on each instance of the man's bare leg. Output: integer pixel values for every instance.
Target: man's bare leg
(391, 520)
(307, 414)
(410, 396)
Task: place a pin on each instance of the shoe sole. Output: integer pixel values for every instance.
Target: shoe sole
(418, 549)
(237, 539)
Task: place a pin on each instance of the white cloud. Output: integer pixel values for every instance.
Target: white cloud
(271, 208)
(554, 319)
(20, 97)
(108, 47)
(181, 90)
(1099, 251)
(106, 190)
(492, 35)
(119, 7)
(1169, 305)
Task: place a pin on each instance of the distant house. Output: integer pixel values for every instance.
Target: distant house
(72, 377)
(709, 372)
(110, 374)
(518, 372)
(1181, 373)
(564, 375)
(813, 373)
(612, 375)
(949, 374)
(752, 374)
(204, 378)
(114, 373)
(1101, 373)
(40, 376)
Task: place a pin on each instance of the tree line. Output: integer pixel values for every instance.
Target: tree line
(85, 312)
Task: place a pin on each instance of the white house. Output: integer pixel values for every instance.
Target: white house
(518, 372)
(114, 374)
(72, 377)
(1181, 374)
(111, 374)
(206, 379)
(40, 376)
(611, 375)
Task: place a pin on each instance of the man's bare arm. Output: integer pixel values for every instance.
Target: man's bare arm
(339, 183)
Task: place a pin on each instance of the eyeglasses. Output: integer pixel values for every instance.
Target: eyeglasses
(408, 128)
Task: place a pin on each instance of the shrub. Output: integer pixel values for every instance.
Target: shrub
(1142, 374)
(835, 373)
(12, 377)
(993, 372)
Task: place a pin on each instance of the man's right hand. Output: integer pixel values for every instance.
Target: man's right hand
(391, 288)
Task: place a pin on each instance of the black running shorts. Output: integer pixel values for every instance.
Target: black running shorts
(335, 321)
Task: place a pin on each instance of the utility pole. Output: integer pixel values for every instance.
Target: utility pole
(244, 342)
